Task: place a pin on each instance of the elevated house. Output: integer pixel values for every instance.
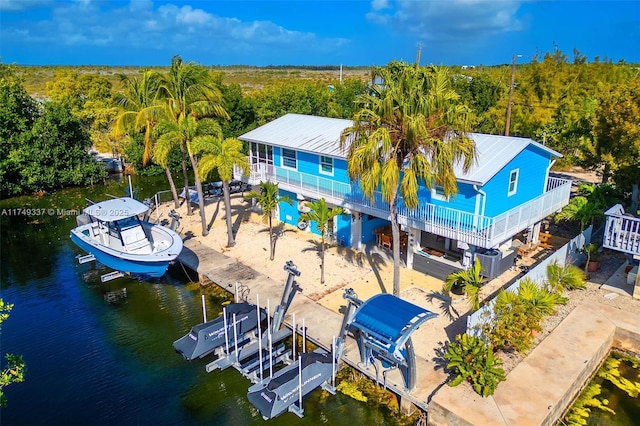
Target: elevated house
(507, 191)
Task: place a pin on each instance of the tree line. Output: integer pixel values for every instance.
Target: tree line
(588, 111)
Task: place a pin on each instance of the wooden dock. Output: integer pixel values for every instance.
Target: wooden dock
(321, 323)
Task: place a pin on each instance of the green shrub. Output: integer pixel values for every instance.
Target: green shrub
(540, 300)
(513, 323)
(472, 360)
(567, 277)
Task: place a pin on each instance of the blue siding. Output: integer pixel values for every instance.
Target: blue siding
(369, 224)
(344, 229)
(310, 164)
(289, 214)
(464, 199)
(532, 164)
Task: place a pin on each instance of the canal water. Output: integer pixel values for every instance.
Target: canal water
(94, 363)
(626, 408)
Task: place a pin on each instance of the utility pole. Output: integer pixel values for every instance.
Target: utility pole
(513, 79)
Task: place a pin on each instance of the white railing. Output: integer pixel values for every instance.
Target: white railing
(622, 232)
(473, 229)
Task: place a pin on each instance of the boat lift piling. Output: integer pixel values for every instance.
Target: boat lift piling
(247, 354)
(259, 339)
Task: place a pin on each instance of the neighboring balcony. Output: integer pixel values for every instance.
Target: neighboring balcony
(473, 229)
(622, 231)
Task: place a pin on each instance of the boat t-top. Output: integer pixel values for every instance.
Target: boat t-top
(111, 232)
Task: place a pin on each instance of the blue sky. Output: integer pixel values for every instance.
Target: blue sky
(305, 32)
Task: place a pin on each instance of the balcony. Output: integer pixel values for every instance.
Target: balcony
(481, 231)
(622, 231)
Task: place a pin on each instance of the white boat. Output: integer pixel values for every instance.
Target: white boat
(114, 234)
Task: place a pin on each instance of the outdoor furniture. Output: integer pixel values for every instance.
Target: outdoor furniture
(386, 241)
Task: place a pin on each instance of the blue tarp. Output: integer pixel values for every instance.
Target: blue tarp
(388, 316)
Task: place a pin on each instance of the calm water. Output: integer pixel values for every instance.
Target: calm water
(92, 363)
(627, 408)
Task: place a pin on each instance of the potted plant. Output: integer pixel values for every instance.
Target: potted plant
(591, 250)
(467, 282)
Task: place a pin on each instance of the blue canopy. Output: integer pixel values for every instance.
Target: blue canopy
(390, 318)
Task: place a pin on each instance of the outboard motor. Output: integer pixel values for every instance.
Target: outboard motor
(175, 220)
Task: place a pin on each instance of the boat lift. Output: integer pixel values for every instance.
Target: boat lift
(250, 353)
(382, 327)
(104, 277)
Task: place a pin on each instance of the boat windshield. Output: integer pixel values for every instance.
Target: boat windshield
(128, 223)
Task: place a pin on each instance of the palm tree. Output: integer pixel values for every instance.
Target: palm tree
(268, 198)
(185, 132)
(322, 215)
(568, 277)
(589, 205)
(470, 281)
(222, 155)
(539, 300)
(188, 89)
(140, 112)
(408, 131)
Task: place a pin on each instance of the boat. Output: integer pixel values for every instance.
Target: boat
(112, 233)
(276, 395)
(206, 337)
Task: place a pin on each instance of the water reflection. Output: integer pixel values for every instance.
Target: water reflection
(94, 363)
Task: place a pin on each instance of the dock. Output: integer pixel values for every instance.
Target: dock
(321, 323)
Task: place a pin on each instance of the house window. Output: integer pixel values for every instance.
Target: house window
(261, 154)
(326, 165)
(289, 158)
(437, 193)
(513, 182)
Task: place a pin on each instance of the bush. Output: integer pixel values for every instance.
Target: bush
(567, 277)
(472, 360)
(513, 323)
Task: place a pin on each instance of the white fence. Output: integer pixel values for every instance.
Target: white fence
(567, 254)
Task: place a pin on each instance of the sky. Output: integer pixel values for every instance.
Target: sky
(320, 32)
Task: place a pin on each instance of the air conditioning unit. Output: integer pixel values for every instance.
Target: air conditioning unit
(490, 262)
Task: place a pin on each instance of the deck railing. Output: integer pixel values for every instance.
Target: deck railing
(482, 231)
(622, 232)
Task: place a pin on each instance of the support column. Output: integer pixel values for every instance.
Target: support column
(356, 230)
(406, 407)
(535, 229)
(412, 245)
(636, 287)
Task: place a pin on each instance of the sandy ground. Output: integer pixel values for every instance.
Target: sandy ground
(369, 272)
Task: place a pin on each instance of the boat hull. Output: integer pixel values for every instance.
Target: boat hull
(153, 269)
(207, 337)
(274, 396)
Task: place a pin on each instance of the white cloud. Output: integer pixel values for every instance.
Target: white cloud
(379, 4)
(141, 25)
(449, 20)
(18, 5)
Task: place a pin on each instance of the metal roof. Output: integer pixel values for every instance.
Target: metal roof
(116, 209)
(321, 135)
(493, 153)
(317, 135)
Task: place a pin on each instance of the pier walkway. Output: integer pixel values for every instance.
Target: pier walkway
(322, 324)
